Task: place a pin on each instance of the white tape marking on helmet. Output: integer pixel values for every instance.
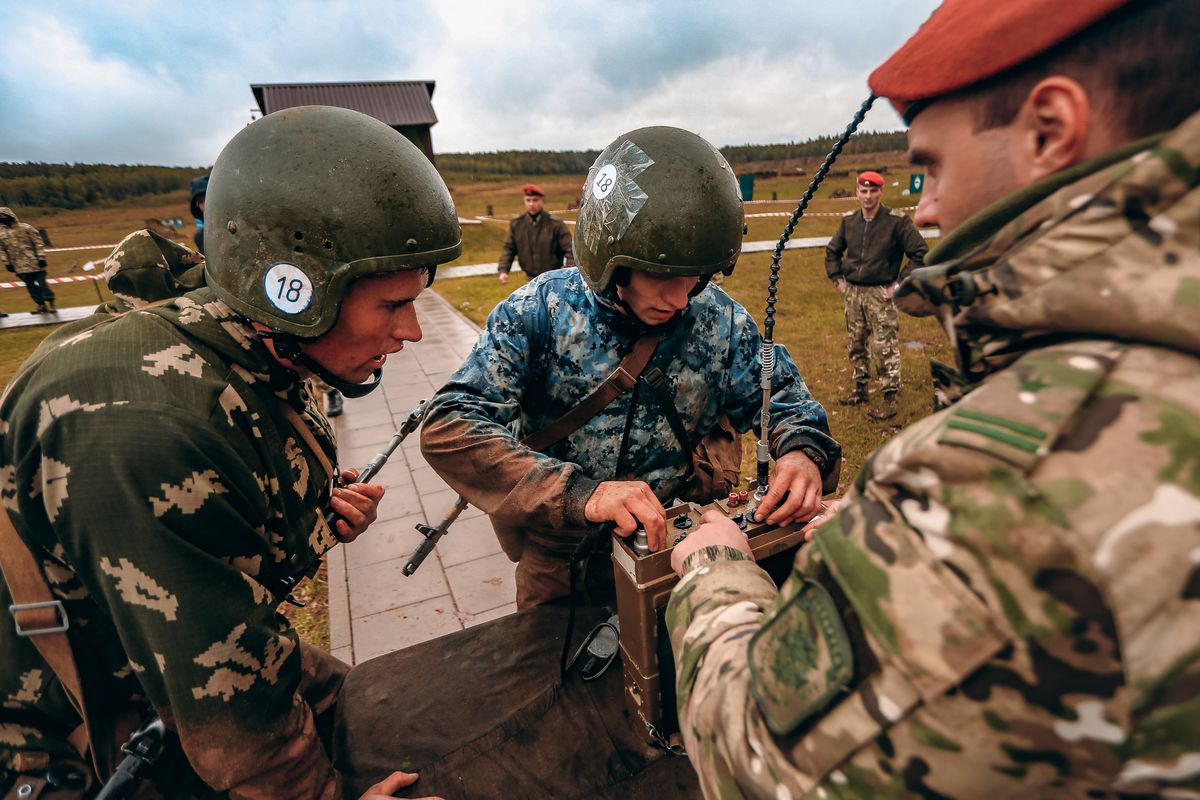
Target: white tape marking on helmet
(288, 288)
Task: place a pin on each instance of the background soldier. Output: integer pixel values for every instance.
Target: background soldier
(644, 269)
(539, 240)
(21, 246)
(874, 240)
(168, 471)
(1008, 604)
(196, 205)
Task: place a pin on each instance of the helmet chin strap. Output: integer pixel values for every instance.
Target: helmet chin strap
(288, 347)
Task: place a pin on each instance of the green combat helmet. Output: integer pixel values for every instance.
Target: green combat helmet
(305, 200)
(659, 200)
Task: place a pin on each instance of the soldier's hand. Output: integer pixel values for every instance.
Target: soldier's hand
(392, 784)
(357, 504)
(797, 477)
(503, 278)
(626, 503)
(841, 286)
(715, 528)
(829, 510)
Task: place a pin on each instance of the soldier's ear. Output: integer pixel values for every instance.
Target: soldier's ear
(1053, 127)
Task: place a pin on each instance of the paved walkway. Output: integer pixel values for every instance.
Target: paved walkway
(374, 609)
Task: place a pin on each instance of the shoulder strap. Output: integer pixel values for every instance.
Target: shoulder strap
(306, 434)
(620, 381)
(42, 619)
(660, 390)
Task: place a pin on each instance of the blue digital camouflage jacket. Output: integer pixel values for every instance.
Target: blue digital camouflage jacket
(550, 345)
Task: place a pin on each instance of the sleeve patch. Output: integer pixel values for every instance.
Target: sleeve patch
(800, 659)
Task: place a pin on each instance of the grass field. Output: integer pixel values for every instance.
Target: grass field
(808, 320)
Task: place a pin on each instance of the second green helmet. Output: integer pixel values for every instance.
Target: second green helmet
(659, 200)
(305, 200)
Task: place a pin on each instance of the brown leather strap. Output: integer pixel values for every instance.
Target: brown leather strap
(620, 381)
(28, 587)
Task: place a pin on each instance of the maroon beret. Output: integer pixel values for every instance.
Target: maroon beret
(966, 41)
(533, 190)
(870, 178)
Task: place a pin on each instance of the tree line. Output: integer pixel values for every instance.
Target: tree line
(575, 162)
(70, 186)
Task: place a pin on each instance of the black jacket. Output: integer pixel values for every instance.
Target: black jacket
(873, 250)
(539, 245)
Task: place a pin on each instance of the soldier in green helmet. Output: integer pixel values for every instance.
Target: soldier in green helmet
(660, 215)
(170, 475)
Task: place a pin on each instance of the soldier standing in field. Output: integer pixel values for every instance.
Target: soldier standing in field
(168, 474)
(538, 240)
(863, 261)
(1008, 603)
(21, 249)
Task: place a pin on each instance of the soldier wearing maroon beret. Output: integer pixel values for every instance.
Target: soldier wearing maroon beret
(863, 260)
(1007, 603)
(537, 239)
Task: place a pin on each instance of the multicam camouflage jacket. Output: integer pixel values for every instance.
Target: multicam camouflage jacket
(550, 345)
(1009, 603)
(149, 464)
(20, 246)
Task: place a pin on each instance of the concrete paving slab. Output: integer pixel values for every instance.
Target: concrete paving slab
(468, 540)
(395, 539)
(488, 616)
(483, 584)
(397, 628)
(378, 587)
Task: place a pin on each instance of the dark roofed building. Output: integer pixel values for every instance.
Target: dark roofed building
(406, 106)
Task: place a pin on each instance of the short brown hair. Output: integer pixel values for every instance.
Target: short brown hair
(1140, 66)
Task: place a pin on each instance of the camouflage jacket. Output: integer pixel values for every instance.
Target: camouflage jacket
(550, 345)
(1009, 603)
(148, 463)
(21, 246)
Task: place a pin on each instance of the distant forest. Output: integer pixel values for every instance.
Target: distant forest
(71, 186)
(575, 162)
(79, 185)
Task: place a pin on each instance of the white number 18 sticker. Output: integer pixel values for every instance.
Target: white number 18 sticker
(288, 288)
(605, 181)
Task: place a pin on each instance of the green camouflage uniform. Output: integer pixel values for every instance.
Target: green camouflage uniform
(148, 463)
(1009, 603)
(21, 252)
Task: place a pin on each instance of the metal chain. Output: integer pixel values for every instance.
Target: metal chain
(768, 342)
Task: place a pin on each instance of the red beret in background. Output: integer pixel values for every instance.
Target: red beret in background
(870, 178)
(966, 41)
(532, 190)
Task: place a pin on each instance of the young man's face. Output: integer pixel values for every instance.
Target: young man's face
(533, 203)
(377, 317)
(655, 298)
(868, 197)
(966, 169)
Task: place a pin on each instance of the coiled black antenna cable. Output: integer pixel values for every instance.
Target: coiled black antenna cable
(762, 452)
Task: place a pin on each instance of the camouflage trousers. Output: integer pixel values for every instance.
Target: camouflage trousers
(871, 321)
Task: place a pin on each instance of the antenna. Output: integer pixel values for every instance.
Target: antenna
(762, 452)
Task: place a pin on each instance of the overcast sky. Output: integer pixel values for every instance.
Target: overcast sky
(169, 83)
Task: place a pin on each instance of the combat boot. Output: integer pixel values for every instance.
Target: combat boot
(887, 410)
(41, 309)
(333, 403)
(855, 398)
(50, 309)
